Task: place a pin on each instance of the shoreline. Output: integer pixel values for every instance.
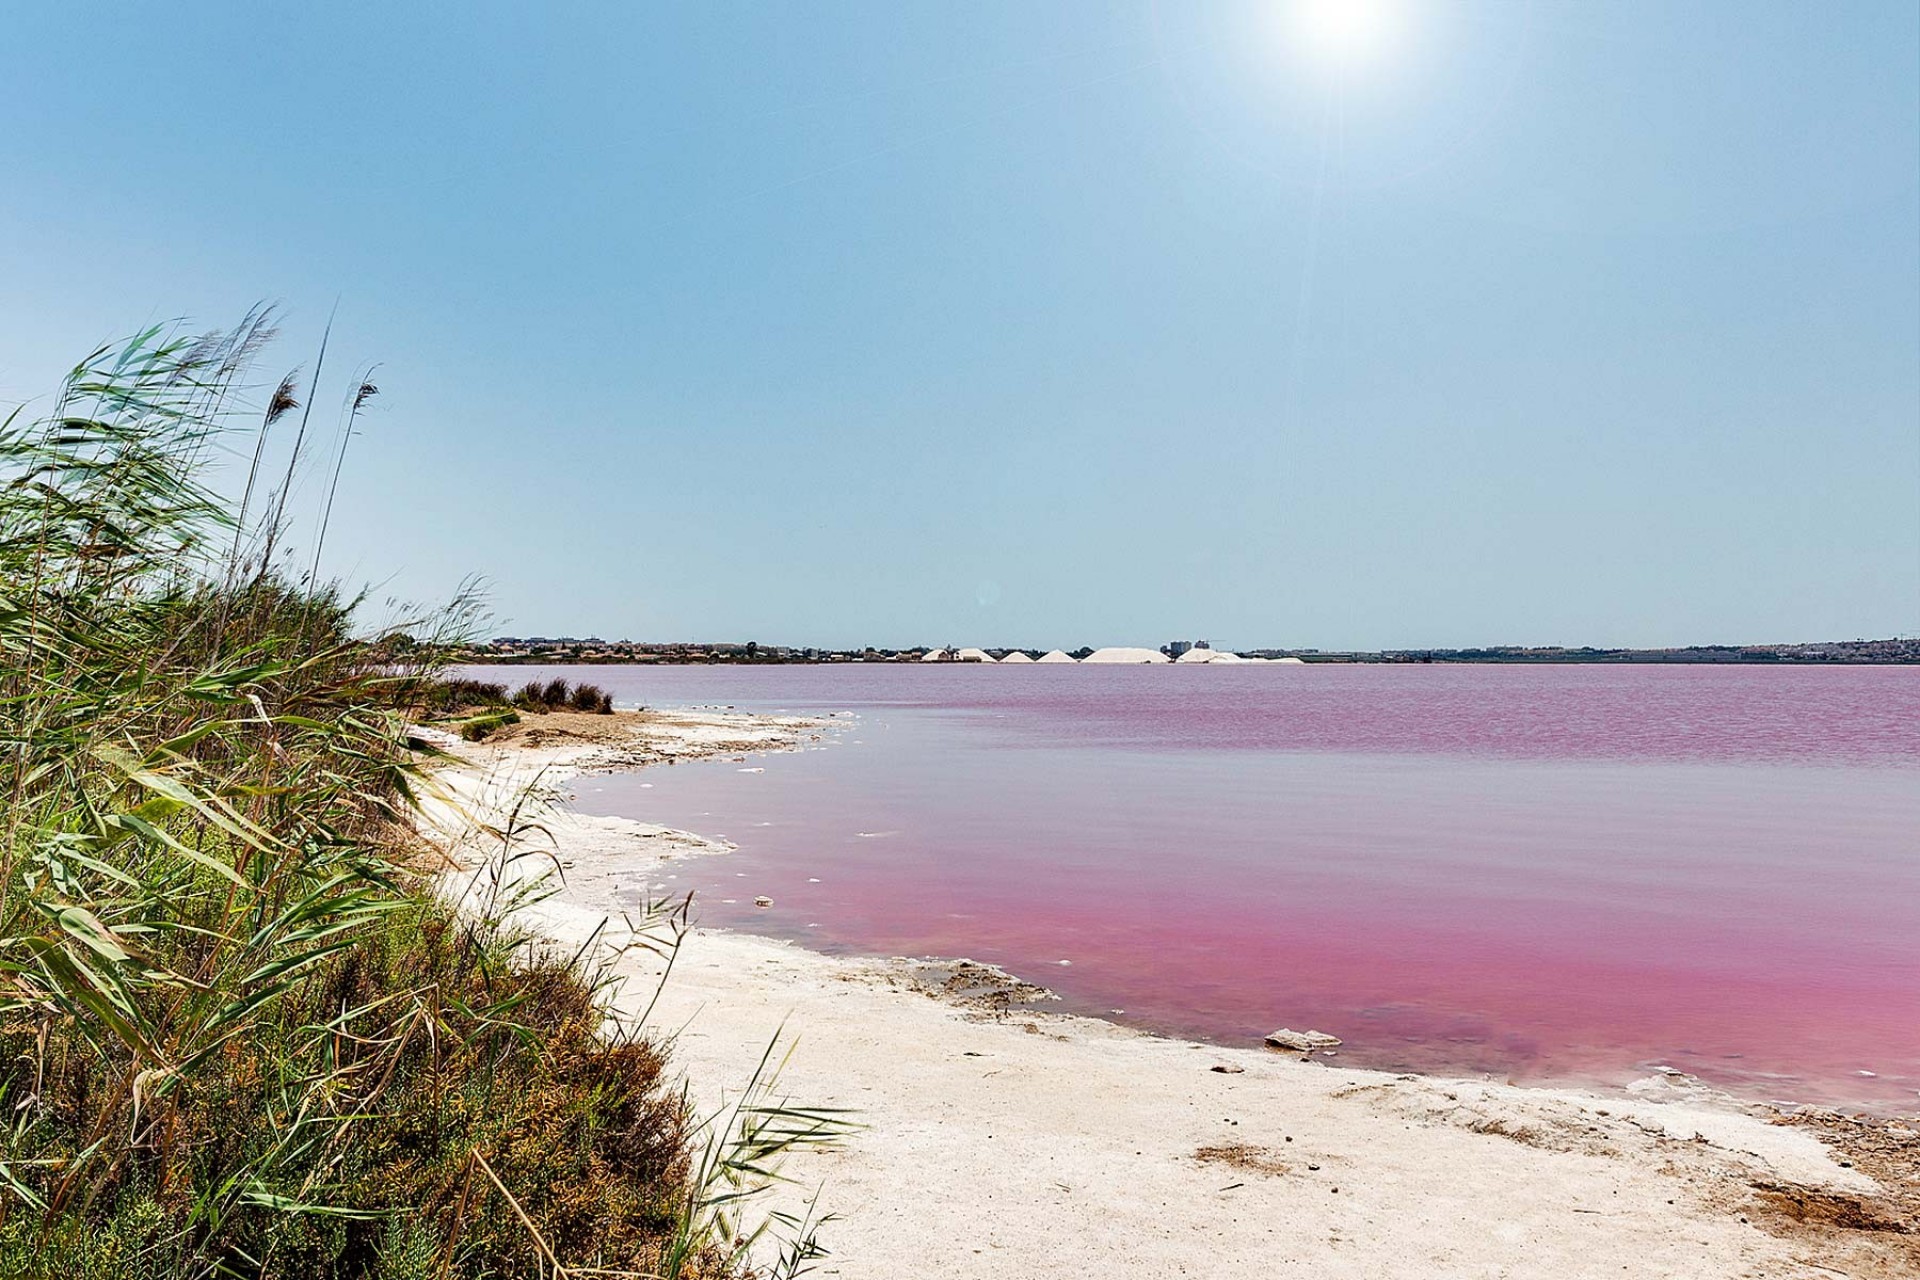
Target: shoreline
(1000, 1134)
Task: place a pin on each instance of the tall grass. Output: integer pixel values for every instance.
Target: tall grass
(238, 1036)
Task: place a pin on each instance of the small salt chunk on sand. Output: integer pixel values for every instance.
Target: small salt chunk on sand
(1302, 1041)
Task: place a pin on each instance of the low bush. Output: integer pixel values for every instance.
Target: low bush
(442, 697)
(476, 728)
(424, 1047)
(592, 698)
(558, 695)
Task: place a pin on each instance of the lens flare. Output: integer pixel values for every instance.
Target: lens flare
(1345, 33)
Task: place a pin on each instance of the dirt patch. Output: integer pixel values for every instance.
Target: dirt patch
(560, 727)
(1869, 1236)
(1809, 1207)
(1245, 1157)
(1524, 1134)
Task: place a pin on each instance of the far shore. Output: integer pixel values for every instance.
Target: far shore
(565, 651)
(1002, 1140)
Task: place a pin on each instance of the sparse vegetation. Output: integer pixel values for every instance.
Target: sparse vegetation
(453, 695)
(238, 1036)
(474, 708)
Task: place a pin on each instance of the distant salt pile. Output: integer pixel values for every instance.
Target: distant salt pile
(1017, 657)
(1121, 654)
(1218, 657)
(973, 655)
(1054, 656)
(1298, 662)
(938, 655)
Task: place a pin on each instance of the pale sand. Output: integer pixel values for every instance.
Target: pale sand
(1005, 1142)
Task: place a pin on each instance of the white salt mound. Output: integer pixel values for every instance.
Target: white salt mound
(936, 655)
(1122, 654)
(1054, 656)
(1198, 655)
(1017, 656)
(975, 655)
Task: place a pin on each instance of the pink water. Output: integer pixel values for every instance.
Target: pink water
(1535, 872)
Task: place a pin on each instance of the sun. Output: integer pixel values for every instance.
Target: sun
(1345, 33)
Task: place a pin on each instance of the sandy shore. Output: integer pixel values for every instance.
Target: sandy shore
(1000, 1140)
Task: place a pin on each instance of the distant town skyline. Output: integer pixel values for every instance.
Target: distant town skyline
(1499, 321)
(594, 649)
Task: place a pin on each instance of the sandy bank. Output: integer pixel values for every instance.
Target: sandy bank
(1003, 1141)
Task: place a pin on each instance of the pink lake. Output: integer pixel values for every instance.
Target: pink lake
(1553, 872)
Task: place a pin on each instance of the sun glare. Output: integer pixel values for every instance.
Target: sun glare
(1345, 33)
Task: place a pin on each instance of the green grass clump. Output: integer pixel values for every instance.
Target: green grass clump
(475, 728)
(558, 695)
(238, 1036)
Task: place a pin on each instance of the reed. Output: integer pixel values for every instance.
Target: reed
(239, 1035)
(363, 392)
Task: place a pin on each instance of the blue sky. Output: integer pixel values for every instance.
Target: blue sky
(1040, 324)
